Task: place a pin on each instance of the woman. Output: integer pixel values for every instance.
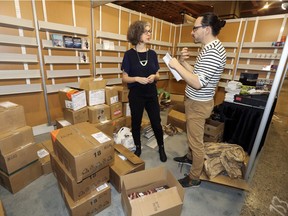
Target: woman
(140, 72)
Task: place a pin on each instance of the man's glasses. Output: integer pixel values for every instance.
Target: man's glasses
(195, 28)
(146, 32)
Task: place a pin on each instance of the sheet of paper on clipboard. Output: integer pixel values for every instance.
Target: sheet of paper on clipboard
(166, 59)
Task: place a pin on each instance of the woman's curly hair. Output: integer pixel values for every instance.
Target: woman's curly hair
(135, 30)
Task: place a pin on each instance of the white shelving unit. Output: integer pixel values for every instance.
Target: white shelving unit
(70, 59)
(21, 58)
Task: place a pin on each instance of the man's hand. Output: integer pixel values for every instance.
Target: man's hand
(173, 63)
(184, 54)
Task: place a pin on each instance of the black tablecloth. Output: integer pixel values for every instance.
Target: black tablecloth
(241, 124)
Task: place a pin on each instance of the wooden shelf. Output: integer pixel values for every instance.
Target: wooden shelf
(47, 44)
(108, 71)
(253, 67)
(260, 45)
(108, 59)
(109, 35)
(56, 87)
(17, 40)
(263, 56)
(17, 58)
(99, 47)
(68, 73)
(20, 89)
(60, 28)
(114, 81)
(19, 74)
(12, 22)
(63, 60)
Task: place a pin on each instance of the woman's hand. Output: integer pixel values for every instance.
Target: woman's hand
(142, 80)
(151, 78)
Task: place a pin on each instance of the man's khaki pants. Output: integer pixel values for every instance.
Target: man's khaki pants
(196, 114)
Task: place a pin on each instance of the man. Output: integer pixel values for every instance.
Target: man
(202, 81)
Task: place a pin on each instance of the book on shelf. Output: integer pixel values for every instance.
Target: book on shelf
(108, 45)
(68, 41)
(85, 44)
(57, 40)
(83, 57)
(77, 42)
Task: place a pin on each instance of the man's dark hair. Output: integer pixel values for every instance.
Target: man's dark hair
(210, 19)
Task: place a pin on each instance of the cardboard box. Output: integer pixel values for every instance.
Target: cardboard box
(165, 202)
(111, 95)
(2, 210)
(123, 93)
(91, 204)
(177, 119)
(18, 158)
(12, 116)
(116, 110)
(95, 90)
(15, 138)
(177, 99)
(112, 126)
(60, 123)
(20, 179)
(83, 149)
(99, 113)
(209, 138)
(45, 148)
(125, 162)
(78, 190)
(213, 128)
(72, 98)
(77, 116)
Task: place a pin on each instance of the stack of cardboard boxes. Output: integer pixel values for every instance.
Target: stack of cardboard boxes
(19, 164)
(80, 161)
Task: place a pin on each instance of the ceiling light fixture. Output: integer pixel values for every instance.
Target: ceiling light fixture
(266, 6)
(284, 6)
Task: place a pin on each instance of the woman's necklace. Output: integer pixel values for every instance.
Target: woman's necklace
(142, 62)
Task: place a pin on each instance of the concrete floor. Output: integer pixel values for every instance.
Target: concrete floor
(42, 197)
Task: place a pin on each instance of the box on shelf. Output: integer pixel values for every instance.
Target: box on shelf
(125, 162)
(83, 149)
(213, 128)
(72, 98)
(12, 116)
(15, 138)
(99, 113)
(111, 95)
(116, 110)
(20, 179)
(95, 90)
(45, 148)
(18, 158)
(93, 203)
(168, 201)
(177, 117)
(77, 116)
(78, 190)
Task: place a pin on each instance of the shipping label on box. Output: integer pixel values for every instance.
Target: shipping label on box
(78, 190)
(91, 204)
(45, 149)
(83, 149)
(12, 116)
(96, 97)
(111, 95)
(72, 98)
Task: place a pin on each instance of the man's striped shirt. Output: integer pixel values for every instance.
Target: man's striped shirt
(209, 66)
